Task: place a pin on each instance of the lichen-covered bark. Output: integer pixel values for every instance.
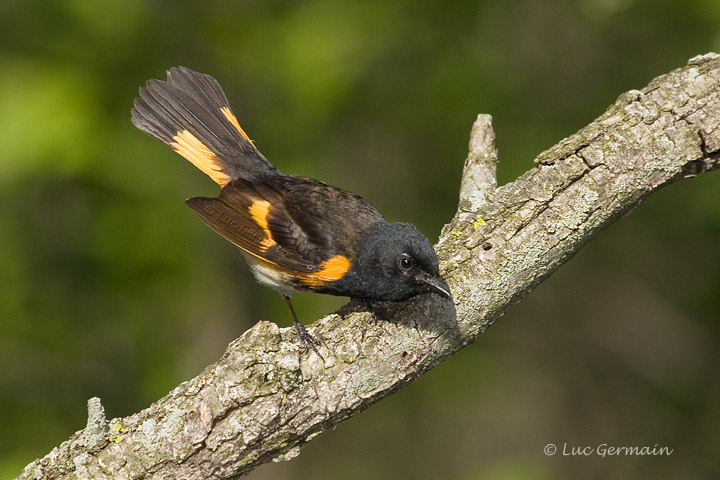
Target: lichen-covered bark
(528, 228)
(265, 398)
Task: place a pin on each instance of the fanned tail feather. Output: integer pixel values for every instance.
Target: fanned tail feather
(190, 113)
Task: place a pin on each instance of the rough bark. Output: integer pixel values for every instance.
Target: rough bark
(266, 398)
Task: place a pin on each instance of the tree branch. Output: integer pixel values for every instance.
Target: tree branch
(266, 398)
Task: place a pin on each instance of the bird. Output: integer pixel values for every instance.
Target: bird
(296, 233)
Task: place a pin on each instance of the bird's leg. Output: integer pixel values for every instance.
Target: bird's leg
(307, 339)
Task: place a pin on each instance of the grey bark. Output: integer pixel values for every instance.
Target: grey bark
(266, 398)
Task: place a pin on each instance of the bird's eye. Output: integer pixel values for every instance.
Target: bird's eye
(406, 262)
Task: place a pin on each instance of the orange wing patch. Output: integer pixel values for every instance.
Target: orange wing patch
(259, 211)
(188, 145)
(334, 268)
(229, 115)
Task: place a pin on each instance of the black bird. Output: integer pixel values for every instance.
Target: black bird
(297, 233)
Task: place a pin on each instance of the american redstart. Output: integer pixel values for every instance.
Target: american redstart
(297, 233)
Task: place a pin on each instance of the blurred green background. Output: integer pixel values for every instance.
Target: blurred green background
(110, 287)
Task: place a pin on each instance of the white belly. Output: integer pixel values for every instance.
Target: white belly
(269, 277)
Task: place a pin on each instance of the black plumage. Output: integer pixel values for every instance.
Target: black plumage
(297, 233)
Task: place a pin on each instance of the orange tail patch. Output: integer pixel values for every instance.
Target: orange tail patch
(229, 115)
(188, 145)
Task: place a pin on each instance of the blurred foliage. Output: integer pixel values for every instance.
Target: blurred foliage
(110, 287)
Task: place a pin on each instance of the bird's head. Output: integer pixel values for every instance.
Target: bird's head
(400, 262)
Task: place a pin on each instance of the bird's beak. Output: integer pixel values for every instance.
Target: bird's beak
(436, 283)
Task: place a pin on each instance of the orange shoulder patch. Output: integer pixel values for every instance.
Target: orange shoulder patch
(333, 268)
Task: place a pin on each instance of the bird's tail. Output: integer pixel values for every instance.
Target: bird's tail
(190, 113)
